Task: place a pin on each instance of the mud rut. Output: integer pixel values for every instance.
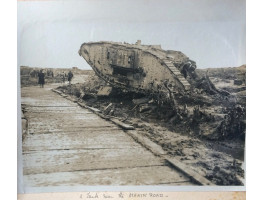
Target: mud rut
(67, 145)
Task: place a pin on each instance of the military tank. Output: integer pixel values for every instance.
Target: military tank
(139, 68)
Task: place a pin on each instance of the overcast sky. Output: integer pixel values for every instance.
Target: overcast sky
(210, 32)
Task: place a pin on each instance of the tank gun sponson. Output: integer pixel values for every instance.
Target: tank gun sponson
(137, 67)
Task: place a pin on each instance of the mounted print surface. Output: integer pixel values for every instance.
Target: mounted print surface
(131, 93)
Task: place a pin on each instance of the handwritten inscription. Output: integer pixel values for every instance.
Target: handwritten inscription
(137, 195)
(121, 195)
(89, 195)
(144, 195)
(106, 196)
(156, 195)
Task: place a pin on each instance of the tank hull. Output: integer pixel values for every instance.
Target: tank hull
(137, 67)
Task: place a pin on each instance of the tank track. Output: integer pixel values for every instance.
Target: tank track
(177, 74)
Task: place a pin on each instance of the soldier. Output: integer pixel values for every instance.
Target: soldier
(41, 78)
(63, 77)
(70, 76)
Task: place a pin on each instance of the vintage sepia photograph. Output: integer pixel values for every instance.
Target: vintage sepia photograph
(131, 93)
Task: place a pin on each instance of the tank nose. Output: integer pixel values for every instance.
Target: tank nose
(79, 52)
(83, 51)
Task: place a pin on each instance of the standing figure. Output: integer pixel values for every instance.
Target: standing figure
(63, 77)
(70, 76)
(41, 78)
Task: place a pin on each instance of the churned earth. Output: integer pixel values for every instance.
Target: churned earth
(210, 145)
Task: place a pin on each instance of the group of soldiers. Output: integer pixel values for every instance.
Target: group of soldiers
(41, 75)
(65, 77)
(48, 72)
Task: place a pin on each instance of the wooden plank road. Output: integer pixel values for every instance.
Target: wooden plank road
(67, 145)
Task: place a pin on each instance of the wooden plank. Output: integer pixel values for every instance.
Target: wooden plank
(126, 176)
(81, 160)
(54, 157)
(147, 143)
(78, 140)
(121, 124)
(194, 176)
(94, 109)
(43, 122)
(74, 130)
(57, 91)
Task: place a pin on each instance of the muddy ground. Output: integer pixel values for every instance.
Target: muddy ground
(204, 131)
(207, 133)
